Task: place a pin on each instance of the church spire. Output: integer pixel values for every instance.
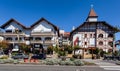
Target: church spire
(92, 16)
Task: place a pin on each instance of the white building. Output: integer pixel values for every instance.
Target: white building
(41, 32)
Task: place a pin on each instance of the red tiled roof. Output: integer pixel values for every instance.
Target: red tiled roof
(67, 34)
(92, 13)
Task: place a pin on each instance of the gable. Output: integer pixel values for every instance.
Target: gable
(12, 26)
(91, 27)
(43, 26)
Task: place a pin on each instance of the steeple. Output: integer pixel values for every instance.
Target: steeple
(92, 16)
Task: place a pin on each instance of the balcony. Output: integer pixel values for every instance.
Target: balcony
(42, 34)
(11, 41)
(36, 41)
(12, 34)
(49, 42)
(42, 42)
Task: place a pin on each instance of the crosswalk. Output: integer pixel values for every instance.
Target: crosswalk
(115, 68)
(108, 66)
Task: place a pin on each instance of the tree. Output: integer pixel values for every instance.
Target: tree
(25, 48)
(50, 49)
(4, 45)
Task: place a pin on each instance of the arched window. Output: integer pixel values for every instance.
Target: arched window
(100, 43)
(100, 36)
(9, 38)
(110, 43)
(110, 35)
(48, 38)
(17, 38)
(38, 38)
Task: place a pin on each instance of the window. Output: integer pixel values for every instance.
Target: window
(8, 31)
(94, 36)
(9, 38)
(85, 36)
(100, 43)
(110, 35)
(31, 38)
(37, 38)
(90, 35)
(48, 38)
(100, 36)
(17, 38)
(85, 43)
(110, 43)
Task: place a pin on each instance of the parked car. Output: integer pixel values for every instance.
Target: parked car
(39, 56)
(20, 56)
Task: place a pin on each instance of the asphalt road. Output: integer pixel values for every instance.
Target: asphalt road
(22, 67)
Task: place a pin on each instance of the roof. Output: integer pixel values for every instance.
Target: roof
(92, 13)
(12, 20)
(67, 34)
(105, 23)
(43, 19)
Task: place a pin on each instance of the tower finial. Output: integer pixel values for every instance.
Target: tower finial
(91, 6)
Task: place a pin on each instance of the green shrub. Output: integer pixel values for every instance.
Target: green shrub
(51, 62)
(67, 62)
(88, 63)
(1, 61)
(61, 53)
(77, 62)
(7, 61)
(4, 57)
(72, 59)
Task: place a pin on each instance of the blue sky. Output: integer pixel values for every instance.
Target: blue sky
(63, 13)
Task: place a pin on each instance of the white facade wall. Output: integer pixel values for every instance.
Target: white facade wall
(92, 19)
(13, 26)
(43, 27)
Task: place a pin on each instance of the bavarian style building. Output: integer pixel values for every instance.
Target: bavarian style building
(93, 34)
(41, 34)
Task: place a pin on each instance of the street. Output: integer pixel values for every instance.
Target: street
(26, 67)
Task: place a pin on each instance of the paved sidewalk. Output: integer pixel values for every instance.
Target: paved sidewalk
(104, 64)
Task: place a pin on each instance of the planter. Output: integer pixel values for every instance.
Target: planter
(36, 60)
(32, 60)
(26, 60)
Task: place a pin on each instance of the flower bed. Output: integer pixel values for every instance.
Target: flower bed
(76, 62)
